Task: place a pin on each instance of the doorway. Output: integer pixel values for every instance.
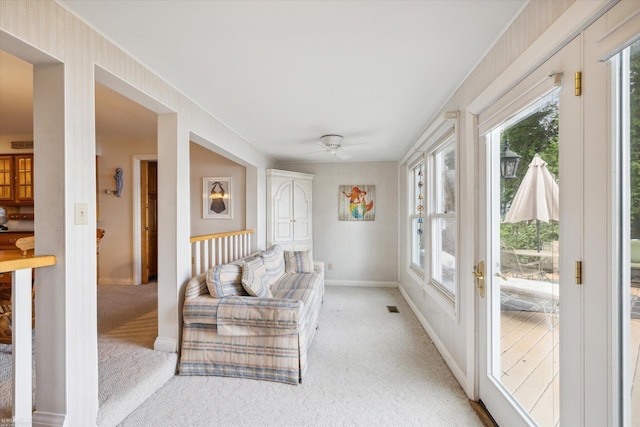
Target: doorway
(149, 220)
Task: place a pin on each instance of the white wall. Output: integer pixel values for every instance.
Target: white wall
(207, 163)
(116, 213)
(360, 252)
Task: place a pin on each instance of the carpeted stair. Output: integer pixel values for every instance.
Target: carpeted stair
(130, 371)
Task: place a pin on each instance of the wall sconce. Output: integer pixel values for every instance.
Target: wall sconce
(508, 161)
(118, 179)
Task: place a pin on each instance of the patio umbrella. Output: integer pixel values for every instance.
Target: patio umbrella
(537, 198)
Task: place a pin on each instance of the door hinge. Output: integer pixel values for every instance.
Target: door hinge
(578, 272)
(578, 83)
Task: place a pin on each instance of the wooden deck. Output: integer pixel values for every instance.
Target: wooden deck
(529, 363)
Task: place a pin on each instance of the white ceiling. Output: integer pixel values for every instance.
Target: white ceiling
(284, 73)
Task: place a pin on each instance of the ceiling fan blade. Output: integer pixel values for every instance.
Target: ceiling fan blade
(342, 155)
(356, 146)
(314, 152)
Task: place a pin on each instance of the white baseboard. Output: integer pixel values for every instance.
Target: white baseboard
(119, 282)
(46, 419)
(361, 283)
(168, 345)
(457, 372)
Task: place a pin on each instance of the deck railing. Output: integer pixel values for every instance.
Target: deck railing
(212, 249)
(21, 337)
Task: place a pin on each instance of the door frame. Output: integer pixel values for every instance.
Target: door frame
(137, 212)
(575, 19)
(536, 84)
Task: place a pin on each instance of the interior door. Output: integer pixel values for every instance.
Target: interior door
(301, 211)
(529, 341)
(149, 220)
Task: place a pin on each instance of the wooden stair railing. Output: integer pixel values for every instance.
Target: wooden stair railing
(21, 338)
(212, 249)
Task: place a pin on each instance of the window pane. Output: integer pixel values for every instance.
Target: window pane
(444, 252)
(418, 188)
(417, 210)
(632, 69)
(446, 180)
(418, 245)
(442, 218)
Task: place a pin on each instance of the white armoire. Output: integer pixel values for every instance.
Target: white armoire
(289, 210)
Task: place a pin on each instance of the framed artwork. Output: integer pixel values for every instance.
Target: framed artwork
(216, 197)
(355, 203)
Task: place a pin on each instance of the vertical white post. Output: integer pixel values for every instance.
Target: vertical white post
(195, 258)
(22, 347)
(205, 256)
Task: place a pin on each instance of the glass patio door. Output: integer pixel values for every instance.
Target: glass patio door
(527, 174)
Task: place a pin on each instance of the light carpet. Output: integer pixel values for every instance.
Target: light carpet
(367, 366)
(129, 369)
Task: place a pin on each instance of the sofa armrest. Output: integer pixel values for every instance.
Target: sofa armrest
(196, 286)
(318, 267)
(252, 316)
(200, 309)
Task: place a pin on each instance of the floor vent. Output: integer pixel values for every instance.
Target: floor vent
(393, 309)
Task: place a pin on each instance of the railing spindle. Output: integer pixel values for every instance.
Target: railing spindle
(213, 249)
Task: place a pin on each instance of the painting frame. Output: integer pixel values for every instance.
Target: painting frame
(356, 202)
(220, 206)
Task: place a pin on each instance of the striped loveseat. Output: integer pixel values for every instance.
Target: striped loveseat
(233, 327)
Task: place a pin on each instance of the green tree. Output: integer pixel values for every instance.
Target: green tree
(634, 99)
(535, 134)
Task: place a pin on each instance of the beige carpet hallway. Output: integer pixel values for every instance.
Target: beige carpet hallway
(367, 366)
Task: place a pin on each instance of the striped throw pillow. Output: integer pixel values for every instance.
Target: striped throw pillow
(274, 263)
(225, 280)
(255, 278)
(298, 262)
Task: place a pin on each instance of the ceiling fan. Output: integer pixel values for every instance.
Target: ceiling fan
(332, 144)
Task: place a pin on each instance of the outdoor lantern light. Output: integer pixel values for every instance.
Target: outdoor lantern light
(508, 161)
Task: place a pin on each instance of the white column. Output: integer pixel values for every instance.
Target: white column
(173, 228)
(21, 346)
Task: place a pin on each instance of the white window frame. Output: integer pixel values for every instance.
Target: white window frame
(441, 131)
(434, 214)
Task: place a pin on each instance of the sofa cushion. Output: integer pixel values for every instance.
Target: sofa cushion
(255, 278)
(298, 281)
(273, 262)
(225, 280)
(238, 316)
(298, 262)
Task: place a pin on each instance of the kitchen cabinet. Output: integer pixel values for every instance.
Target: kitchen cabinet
(290, 210)
(16, 179)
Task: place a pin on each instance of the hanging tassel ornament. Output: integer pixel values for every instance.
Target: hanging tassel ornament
(420, 206)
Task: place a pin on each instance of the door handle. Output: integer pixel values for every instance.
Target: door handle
(478, 274)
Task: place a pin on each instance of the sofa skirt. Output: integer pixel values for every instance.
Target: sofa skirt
(272, 358)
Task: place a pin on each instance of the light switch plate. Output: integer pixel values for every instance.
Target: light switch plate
(82, 214)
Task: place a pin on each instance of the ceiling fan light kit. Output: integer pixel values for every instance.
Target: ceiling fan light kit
(332, 144)
(332, 141)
